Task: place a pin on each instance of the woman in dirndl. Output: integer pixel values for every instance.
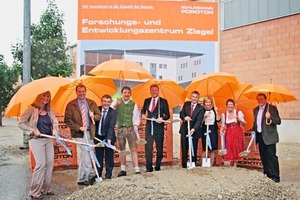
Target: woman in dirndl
(232, 122)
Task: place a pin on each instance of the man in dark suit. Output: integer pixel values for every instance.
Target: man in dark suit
(157, 108)
(266, 119)
(105, 131)
(191, 112)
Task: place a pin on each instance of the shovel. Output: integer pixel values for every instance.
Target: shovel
(223, 150)
(124, 152)
(139, 141)
(94, 160)
(190, 164)
(206, 160)
(247, 151)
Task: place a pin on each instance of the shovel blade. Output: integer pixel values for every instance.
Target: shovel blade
(244, 153)
(205, 162)
(190, 165)
(222, 152)
(141, 141)
(98, 180)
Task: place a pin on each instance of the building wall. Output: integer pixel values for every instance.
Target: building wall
(169, 73)
(265, 52)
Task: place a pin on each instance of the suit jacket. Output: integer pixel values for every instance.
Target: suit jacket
(163, 106)
(197, 118)
(109, 124)
(269, 132)
(73, 118)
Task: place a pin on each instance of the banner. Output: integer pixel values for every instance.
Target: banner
(147, 20)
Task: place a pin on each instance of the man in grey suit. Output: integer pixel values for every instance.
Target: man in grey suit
(266, 119)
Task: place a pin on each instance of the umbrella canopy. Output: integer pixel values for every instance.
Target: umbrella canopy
(27, 94)
(168, 89)
(274, 93)
(96, 88)
(208, 83)
(121, 69)
(236, 92)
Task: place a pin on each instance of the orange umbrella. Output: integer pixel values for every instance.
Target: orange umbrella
(208, 83)
(274, 93)
(96, 87)
(236, 92)
(27, 94)
(168, 89)
(121, 69)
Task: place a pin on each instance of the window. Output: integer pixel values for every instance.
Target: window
(153, 69)
(165, 66)
(160, 66)
(160, 77)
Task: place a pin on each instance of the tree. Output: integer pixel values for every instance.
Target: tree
(48, 44)
(8, 79)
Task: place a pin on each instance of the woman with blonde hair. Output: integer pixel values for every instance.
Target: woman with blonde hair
(210, 120)
(39, 119)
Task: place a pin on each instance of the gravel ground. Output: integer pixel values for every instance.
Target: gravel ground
(172, 182)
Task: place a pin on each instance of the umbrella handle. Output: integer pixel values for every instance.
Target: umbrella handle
(268, 121)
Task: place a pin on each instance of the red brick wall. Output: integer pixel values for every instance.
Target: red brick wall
(266, 51)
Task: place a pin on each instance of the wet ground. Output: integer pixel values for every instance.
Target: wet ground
(15, 173)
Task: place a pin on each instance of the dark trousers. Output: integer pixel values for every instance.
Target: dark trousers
(107, 154)
(159, 142)
(268, 158)
(185, 149)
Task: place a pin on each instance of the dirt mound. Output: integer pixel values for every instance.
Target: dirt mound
(196, 183)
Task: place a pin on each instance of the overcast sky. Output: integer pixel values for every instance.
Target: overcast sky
(11, 21)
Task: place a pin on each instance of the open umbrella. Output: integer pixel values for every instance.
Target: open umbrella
(236, 91)
(96, 88)
(274, 93)
(121, 70)
(168, 89)
(208, 83)
(27, 93)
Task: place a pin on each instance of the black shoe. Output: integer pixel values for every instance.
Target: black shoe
(34, 198)
(276, 180)
(50, 193)
(148, 170)
(157, 168)
(92, 180)
(86, 183)
(122, 173)
(137, 172)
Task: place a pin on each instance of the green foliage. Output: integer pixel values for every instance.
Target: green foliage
(48, 44)
(8, 78)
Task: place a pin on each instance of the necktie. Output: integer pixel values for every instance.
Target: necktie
(153, 104)
(102, 121)
(83, 113)
(192, 109)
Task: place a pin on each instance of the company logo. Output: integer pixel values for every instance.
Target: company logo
(197, 10)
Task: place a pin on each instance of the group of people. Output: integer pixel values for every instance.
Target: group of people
(91, 124)
(203, 121)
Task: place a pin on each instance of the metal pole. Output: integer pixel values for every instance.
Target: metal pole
(26, 55)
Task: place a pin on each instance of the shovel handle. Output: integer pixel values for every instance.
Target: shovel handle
(67, 140)
(250, 143)
(164, 121)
